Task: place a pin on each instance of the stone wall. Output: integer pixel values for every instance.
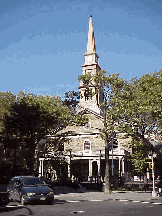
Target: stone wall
(79, 134)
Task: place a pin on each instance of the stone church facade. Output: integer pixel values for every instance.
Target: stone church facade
(85, 150)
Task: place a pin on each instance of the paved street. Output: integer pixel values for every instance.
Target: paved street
(91, 203)
(97, 208)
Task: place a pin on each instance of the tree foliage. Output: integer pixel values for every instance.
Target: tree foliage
(6, 100)
(72, 99)
(140, 104)
(139, 157)
(135, 106)
(28, 119)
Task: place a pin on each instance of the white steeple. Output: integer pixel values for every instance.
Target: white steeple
(91, 40)
(91, 66)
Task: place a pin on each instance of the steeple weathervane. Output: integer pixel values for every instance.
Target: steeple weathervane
(91, 48)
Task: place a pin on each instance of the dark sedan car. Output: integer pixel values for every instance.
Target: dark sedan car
(30, 189)
(4, 195)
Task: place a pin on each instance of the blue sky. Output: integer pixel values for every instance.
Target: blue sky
(43, 41)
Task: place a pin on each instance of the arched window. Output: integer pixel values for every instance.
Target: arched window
(87, 146)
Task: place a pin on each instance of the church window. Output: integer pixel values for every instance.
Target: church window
(86, 95)
(87, 146)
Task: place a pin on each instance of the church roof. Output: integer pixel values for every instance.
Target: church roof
(89, 111)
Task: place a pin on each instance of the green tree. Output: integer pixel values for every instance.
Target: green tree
(150, 91)
(72, 99)
(110, 85)
(6, 100)
(140, 104)
(140, 114)
(31, 118)
(135, 105)
(139, 157)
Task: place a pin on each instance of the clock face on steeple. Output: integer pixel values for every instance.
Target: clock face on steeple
(89, 58)
(87, 125)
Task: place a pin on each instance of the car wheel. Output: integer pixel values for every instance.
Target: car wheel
(11, 199)
(22, 200)
(49, 202)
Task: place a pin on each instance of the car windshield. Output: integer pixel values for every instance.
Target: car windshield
(32, 181)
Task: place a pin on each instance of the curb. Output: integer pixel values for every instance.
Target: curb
(122, 200)
(106, 200)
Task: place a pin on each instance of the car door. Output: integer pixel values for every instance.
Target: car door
(17, 189)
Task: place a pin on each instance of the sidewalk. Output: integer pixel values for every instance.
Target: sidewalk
(87, 195)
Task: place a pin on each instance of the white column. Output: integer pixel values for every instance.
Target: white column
(68, 161)
(119, 166)
(90, 167)
(123, 166)
(99, 168)
(147, 173)
(40, 167)
(99, 171)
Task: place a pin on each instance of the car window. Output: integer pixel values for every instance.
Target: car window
(15, 182)
(32, 181)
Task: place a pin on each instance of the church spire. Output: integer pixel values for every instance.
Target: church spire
(91, 48)
(90, 66)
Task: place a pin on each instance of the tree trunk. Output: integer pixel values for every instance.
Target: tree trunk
(15, 158)
(31, 154)
(15, 143)
(107, 167)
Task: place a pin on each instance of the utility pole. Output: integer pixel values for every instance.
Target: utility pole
(153, 178)
(112, 142)
(153, 155)
(154, 193)
(70, 164)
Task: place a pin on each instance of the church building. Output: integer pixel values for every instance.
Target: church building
(84, 152)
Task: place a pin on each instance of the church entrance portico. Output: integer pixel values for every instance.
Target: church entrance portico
(82, 168)
(79, 170)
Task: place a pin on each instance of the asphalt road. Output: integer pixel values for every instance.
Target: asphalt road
(62, 208)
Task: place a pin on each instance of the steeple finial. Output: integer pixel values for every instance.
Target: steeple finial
(91, 48)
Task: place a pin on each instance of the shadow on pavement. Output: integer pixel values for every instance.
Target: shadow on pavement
(58, 201)
(10, 208)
